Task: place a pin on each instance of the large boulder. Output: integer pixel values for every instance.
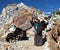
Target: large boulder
(23, 19)
(26, 26)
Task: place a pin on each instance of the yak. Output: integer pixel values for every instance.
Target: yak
(38, 39)
(21, 34)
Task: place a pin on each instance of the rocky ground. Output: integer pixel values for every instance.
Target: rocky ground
(21, 45)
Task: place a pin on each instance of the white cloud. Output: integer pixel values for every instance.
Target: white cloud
(47, 12)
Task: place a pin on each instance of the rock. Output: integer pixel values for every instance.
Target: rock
(30, 32)
(23, 19)
(10, 48)
(26, 25)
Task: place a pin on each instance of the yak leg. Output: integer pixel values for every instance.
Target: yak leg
(7, 39)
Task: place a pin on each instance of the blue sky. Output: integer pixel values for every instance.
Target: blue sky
(44, 5)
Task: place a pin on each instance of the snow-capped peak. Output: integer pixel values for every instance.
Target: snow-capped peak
(22, 5)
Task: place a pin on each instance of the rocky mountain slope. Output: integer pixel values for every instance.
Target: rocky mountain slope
(21, 15)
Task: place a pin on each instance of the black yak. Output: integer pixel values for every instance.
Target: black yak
(18, 32)
(39, 40)
(41, 27)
